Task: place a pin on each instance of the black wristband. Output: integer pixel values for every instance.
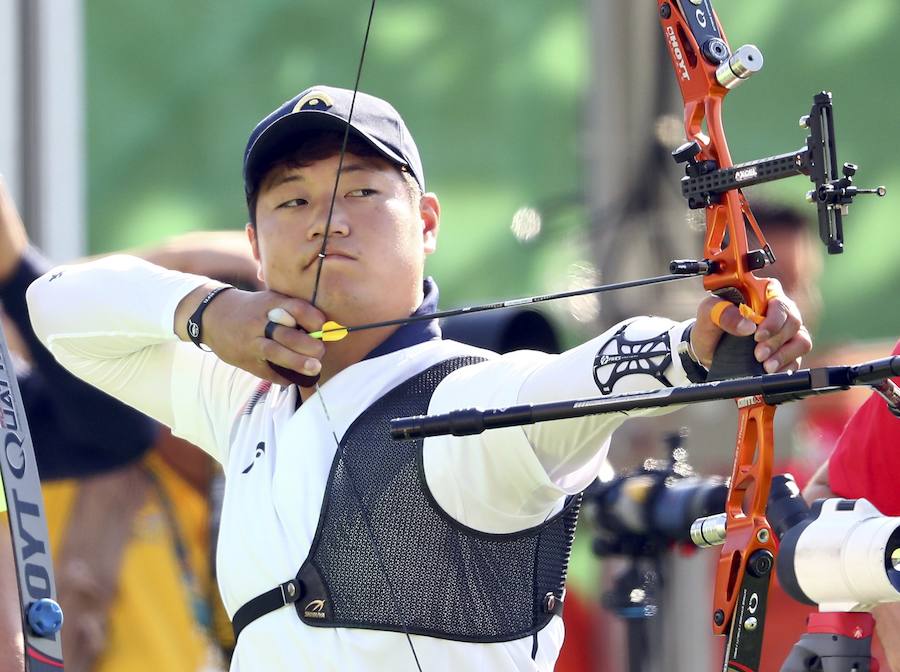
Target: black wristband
(194, 328)
(694, 370)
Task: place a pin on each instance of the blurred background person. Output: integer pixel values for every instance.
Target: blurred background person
(865, 463)
(66, 417)
(127, 504)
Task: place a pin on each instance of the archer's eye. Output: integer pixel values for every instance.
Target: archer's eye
(362, 193)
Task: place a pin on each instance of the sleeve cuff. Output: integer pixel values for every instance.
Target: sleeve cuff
(690, 364)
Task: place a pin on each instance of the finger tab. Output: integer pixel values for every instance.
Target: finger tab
(280, 316)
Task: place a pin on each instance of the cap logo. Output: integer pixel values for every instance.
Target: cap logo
(314, 100)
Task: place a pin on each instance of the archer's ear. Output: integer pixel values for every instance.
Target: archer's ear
(430, 214)
(254, 248)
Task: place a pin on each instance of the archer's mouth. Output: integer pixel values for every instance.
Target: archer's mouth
(330, 256)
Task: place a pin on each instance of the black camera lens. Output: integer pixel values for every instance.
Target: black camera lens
(892, 559)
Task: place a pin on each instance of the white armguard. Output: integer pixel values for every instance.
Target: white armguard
(642, 350)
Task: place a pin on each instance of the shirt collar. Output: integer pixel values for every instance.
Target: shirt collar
(415, 332)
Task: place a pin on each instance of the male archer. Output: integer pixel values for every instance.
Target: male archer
(338, 548)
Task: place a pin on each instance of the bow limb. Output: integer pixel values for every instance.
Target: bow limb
(41, 615)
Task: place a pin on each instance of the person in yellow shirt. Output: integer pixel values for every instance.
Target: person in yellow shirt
(127, 504)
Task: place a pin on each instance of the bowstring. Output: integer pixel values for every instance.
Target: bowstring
(322, 253)
(337, 178)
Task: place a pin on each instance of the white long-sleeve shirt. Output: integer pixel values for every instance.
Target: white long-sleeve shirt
(111, 323)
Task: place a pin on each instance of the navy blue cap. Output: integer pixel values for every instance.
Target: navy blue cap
(325, 108)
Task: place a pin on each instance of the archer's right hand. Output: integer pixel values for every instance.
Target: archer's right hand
(233, 326)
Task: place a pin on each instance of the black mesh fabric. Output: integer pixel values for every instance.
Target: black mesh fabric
(439, 577)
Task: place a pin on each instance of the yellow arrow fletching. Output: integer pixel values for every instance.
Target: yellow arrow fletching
(331, 331)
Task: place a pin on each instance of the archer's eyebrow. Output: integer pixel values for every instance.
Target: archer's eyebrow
(295, 174)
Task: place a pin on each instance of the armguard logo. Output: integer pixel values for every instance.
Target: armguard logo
(621, 356)
(315, 609)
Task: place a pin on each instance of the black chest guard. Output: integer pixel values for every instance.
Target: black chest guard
(435, 575)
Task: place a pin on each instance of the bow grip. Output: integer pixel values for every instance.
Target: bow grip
(734, 358)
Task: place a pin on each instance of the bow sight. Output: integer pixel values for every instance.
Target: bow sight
(704, 181)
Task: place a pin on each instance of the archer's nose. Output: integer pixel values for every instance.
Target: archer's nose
(337, 226)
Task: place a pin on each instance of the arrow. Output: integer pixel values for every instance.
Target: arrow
(333, 331)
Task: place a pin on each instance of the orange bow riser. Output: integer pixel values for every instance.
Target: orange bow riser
(707, 69)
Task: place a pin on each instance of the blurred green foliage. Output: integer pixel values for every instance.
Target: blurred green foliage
(494, 93)
(491, 95)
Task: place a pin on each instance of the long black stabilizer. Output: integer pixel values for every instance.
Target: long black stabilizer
(774, 388)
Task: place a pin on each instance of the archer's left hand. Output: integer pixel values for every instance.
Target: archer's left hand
(781, 338)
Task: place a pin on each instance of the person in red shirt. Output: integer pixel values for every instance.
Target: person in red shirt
(866, 453)
(865, 464)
